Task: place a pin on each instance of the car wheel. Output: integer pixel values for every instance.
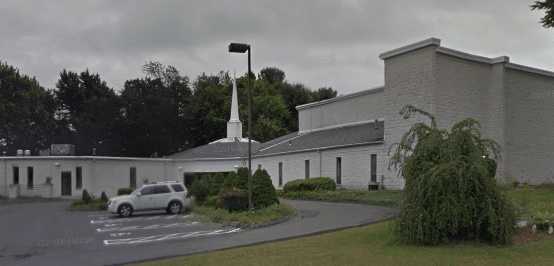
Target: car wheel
(174, 207)
(125, 210)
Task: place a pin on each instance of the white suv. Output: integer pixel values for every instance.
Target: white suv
(169, 196)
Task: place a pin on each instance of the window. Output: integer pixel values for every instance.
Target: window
(307, 168)
(30, 177)
(280, 173)
(133, 177)
(374, 168)
(15, 171)
(161, 189)
(148, 190)
(177, 187)
(79, 177)
(339, 170)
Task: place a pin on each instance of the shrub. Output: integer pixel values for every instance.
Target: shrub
(124, 191)
(237, 180)
(233, 199)
(263, 192)
(211, 201)
(200, 189)
(449, 194)
(312, 184)
(86, 198)
(104, 197)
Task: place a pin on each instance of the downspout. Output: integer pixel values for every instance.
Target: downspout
(5, 176)
(320, 161)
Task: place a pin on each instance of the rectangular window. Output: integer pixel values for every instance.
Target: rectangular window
(339, 170)
(133, 177)
(15, 171)
(280, 173)
(374, 168)
(30, 177)
(79, 177)
(307, 168)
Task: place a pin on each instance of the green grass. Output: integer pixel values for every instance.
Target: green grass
(375, 244)
(94, 205)
(370, 245)
(532, 200)
(390, 198)
(246, 218)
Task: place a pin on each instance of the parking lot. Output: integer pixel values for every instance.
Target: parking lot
(48, 234)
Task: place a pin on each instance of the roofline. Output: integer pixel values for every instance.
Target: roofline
(410, 47)
(341, 98)
(209, 159)
(322, 148)
(351, 124)
(83, 158)
(530, 69)
(472, 57)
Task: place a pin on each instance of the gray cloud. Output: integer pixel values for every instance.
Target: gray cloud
(320, 43)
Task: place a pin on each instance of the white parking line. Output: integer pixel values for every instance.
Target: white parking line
(155, 238)
(143, 227)
(120, 234)
(143, 218)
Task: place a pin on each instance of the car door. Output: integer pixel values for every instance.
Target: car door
(161, 197)
(145, 200)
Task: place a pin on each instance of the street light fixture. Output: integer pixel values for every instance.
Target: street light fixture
(243, 48)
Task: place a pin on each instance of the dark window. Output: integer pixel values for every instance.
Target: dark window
(133, 177)
(15, 171)
(162, 189)
(307, 168)
(374, 168)
(148, 190)
(177, 188)
(79, 177)
(280, 173)
(339, 170)
(30, 177)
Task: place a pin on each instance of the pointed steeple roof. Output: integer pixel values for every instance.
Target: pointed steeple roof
(234, 104)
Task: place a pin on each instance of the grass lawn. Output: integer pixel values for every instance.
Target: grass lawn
(389, 198)
(246, 218)
(375, 245)
(94, 205)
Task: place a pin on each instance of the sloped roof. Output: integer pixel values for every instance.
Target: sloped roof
(366, 133)
(217, 150)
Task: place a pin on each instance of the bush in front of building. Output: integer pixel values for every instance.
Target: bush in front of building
(311, 184)
(104, 197)
(86, 198)
(200, 190)
(450, 193)
(124, 191)
(263, 192)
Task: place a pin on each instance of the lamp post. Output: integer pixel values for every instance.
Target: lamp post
(243, 48)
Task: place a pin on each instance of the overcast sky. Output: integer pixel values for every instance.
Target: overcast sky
(319, 43)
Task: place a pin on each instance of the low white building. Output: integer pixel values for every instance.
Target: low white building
(348, 137)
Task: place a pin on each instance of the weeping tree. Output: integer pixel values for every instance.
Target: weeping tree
(450, 193)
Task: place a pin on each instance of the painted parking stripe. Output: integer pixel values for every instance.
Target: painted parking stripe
(157, 238)
(143, 227)
(124, 220)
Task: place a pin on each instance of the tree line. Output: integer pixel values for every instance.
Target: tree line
(161, 113)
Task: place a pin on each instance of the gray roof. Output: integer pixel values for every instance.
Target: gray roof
(366, 133)
(219, 150)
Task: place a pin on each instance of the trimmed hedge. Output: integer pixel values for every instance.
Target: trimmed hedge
(104, 197)
(233, 199)
(124, 191)
(311, 184)
(200, 189)
(263, 192)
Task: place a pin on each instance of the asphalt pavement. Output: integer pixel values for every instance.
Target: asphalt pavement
(48, 234)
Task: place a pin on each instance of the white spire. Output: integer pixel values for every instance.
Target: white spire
(234, 126)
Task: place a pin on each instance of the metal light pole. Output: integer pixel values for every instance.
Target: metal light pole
(242, 48)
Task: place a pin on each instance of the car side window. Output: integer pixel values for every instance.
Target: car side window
(162, 189)
(177, 188)
(148, 191)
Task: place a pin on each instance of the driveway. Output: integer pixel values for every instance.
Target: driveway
(47, 234)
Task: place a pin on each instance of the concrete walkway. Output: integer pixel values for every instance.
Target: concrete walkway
(58, 237)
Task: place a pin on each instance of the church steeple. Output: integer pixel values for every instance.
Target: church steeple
(234, 126)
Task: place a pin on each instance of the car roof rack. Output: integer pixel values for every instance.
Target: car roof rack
(167, 182)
